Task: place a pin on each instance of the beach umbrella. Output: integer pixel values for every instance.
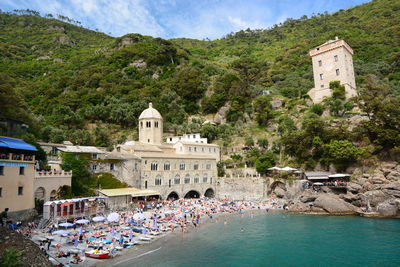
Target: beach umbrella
(288, 169)
(113, 217)
(66, 224)
(169, 212)
(98, 219)
(82, 221)
(91, 239)
(138, 216)
(274, 169)
(113, 232)
(61, 232)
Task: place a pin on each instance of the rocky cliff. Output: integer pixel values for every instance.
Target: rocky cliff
(378, 191)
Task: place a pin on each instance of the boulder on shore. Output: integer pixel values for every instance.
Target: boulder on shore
(334, 205)
(389, 208)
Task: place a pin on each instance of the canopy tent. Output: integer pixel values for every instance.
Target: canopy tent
(132, 191)
(138, 216)
(339, 175)
(317, 175)
(15, 144)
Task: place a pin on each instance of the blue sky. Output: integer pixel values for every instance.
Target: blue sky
(179, 18)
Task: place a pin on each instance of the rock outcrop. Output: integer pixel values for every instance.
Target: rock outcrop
(377, 191)
(334, 205)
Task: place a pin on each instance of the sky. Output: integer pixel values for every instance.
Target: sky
(197, 19)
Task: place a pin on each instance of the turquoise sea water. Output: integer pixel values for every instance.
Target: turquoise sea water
(282, 240)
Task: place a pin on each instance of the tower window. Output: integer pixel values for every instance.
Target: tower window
(1, 170)
(20, 190)
(148, 124)
(337, 72)
(167, 166)
(156, 124)
(157, 180)
(322, 86)
(141, 124)
(112, 166)
(321, 76)
(320, 63)
(148, 140)
(336, 58)
(21, 170)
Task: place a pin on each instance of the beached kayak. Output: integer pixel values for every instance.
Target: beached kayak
(97, 255)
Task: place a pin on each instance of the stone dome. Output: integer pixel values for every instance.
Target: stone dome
(150, 113)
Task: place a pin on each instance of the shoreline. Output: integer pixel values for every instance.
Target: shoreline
(159, 242)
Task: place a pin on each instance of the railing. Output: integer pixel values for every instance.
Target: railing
(13, 156)
(53, 173)
(5, 156)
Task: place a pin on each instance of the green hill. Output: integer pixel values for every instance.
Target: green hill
(72, 83)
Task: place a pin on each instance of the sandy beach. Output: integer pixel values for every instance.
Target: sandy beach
(127, 235)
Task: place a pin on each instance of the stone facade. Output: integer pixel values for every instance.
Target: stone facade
(47, 183)
(332, 61)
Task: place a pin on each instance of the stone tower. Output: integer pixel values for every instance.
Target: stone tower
(150, 126)
(332, 61)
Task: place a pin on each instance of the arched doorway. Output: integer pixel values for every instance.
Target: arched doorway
(40, 193)
(53, 195)
(209, 193)
(192, 194)
(173, 196)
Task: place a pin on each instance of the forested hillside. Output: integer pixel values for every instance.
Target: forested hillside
(68, 82)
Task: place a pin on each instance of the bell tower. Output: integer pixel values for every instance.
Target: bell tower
(150, 126)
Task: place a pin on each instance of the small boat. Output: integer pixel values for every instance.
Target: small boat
(145, 238)
(97, 254)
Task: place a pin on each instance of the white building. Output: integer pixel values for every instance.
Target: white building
(332, 61)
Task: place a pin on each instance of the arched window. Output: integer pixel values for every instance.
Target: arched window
(169, 183)
(148, 124)
(167, 166)
(158, 180)
(208, 166)
(196, 179)
(141, 124)
(187, 179)
(156, 124)
(205, 178)
(145, 184)
(177, 179)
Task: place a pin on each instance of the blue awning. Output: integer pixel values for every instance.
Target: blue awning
(15, 144)
(13, 164)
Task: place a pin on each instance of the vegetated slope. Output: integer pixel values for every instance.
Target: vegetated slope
(90, 88)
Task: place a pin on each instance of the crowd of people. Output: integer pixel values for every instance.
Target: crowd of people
(67, 242)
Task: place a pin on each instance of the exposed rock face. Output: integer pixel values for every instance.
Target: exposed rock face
(65, 40)
(140, 63)
(334, 205)
(220, 117)
(279, 192)
(56, 28)
(376, 196)
(276, 104)
(389, 208)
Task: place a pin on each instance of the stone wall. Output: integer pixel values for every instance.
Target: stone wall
(241, 188)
